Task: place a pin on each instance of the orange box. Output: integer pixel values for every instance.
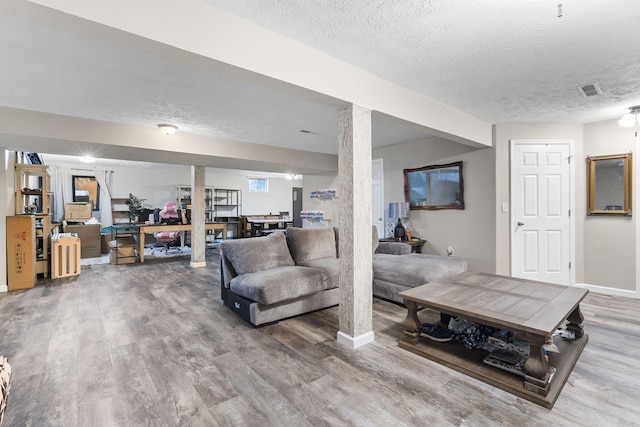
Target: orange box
(21, 252)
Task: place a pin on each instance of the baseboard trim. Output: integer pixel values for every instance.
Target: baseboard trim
(609, 291)
(198, 264)
(355, 342)
(4, 289)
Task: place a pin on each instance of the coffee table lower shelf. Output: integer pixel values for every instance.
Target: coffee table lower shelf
(454, 355)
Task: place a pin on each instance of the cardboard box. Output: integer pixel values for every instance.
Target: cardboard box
(122, 241)
(89, 235)
(123, 255)
(21, 252)
(104, 243)
(78, 211)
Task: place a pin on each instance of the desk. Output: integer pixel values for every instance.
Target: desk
(175, 227)
(257, 225)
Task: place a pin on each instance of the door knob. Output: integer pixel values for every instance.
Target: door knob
(520, 223)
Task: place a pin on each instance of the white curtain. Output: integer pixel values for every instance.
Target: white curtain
(105, 179)
(61, 191)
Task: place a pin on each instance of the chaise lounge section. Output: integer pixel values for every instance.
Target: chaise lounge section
(270, 278)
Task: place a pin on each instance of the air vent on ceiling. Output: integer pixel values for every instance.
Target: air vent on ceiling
(589, 90)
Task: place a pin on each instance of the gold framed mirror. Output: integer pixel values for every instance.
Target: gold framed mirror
(609, 185)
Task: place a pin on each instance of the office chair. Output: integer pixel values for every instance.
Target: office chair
(166, 238)
(169, 213)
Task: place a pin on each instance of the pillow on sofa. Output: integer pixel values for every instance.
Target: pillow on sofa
(307, 244)
(258, 253)
(374, 235)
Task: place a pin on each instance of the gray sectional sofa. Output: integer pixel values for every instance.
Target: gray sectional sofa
(269, 278)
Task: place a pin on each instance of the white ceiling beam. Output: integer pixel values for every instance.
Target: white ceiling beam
(244, 48)
(24, 130)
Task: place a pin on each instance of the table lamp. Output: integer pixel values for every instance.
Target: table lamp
(399, 210)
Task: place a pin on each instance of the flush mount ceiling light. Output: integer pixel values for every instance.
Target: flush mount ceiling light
(632, 118)
(87, 159)
(167, 129)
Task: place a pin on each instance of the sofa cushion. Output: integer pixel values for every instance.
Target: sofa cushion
(415, 269)
(393, 248)
(307, 244)
(257, 254)
(280, 284)
(331, 266)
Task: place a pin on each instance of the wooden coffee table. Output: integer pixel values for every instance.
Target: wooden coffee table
(534, 309)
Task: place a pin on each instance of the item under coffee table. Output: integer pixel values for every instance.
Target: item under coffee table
(534, 309)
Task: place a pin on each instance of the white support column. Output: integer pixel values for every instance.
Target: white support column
(354, 171)
(198, 244)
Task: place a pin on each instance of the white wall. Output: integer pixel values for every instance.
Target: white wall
(158, 184)
(507, 132)
(471, 232)
(609, 241)
(331, 208)
(7, 198)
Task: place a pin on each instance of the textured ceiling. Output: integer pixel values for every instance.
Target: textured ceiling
(503, 61)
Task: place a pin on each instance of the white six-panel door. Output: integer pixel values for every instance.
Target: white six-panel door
(541, 203)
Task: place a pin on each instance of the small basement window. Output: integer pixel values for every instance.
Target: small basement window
(258, 185)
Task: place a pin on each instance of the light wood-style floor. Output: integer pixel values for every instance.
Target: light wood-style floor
(152, 344)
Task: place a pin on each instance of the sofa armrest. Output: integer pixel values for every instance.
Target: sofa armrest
(393, 248)
(226, 271)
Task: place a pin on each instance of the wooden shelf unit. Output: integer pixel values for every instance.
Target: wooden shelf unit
(184, 200)
(33, 197)
(221, 205)
(33, 189)
(227, 207)
(120, 210)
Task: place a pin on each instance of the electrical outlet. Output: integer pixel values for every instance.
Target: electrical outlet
(450, 251)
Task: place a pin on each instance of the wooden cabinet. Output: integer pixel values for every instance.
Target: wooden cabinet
(33, 197)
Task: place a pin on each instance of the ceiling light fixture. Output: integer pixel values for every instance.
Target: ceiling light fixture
(167, 129)
(632, 118)
(87, 159)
